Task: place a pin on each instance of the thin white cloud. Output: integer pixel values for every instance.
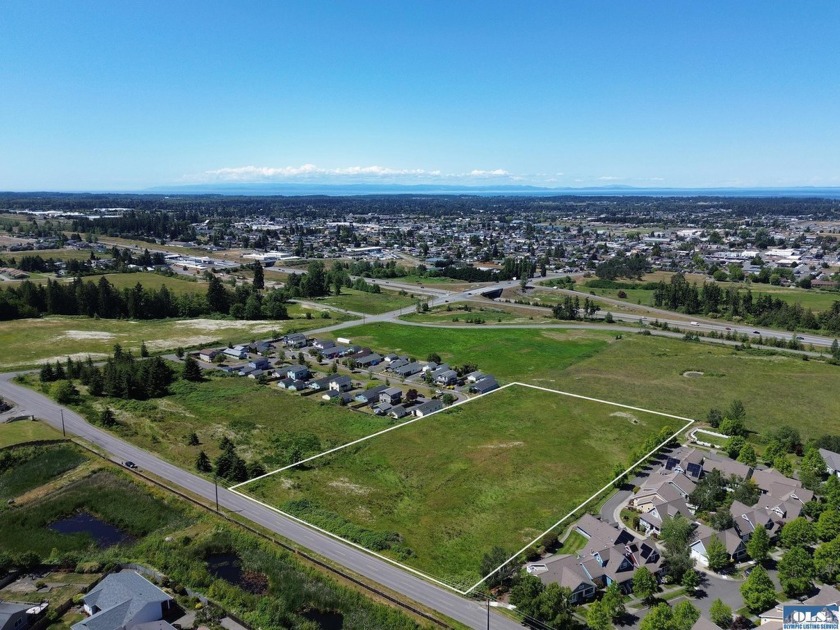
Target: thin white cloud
(311, 172)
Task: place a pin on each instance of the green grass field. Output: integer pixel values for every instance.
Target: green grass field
(776, 389)
(534, 356)
(257, 418)
(27, 342)
(489, 315)
(22, 470)
(371, 303)
(21, 431)
(178, 285)
(497, 471)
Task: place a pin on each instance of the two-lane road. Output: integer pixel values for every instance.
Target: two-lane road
(438, 598)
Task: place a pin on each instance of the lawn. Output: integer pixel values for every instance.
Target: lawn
(21, 431)
(441, 492)
(370, 303)
(776, 389)
(27, 342)
(533, 356)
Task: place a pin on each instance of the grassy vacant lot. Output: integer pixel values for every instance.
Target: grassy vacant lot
(26, 342)
(534, 356)
(25, 431)
(776, 389)
(23, 469)
(371, 303)
(497, 471)
(257, 418)
(457, 314)
(178, 285)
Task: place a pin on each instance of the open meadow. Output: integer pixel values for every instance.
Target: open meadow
(439, 493)
(21, 431)
(646, 371)
(27, 342)
(370, 303)
(511, 354)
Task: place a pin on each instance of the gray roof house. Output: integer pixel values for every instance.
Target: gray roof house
(369, 360)
(13, 616)
(391, 395)
(447, 377)
(408, 370)
(832, 461)
(295, 340)
(341, 383)
(430, 406)
(297, 372)
(487, 384)
(122, 601)
(370, 396)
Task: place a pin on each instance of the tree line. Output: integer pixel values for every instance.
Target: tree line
(764, 309)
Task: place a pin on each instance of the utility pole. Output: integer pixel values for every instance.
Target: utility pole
(63, 430)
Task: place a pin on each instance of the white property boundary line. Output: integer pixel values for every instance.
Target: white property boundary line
(688, 422)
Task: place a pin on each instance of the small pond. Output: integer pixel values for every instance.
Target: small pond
(228, 567)
(325, 620)
(104, 534)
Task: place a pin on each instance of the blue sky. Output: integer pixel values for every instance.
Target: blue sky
(125, 95)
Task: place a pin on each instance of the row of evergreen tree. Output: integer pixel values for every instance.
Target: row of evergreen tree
(102, 299)
(764, 309)
(121, 376)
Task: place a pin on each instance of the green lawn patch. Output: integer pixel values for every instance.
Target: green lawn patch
(441, 492)
(178, 285)
(25, 468)
(21, 431)
(574, 542)
(533, 356)
(371, 303)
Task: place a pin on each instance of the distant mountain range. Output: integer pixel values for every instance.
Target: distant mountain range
(337, 190)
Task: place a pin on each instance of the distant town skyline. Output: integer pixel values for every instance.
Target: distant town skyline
(127, 96)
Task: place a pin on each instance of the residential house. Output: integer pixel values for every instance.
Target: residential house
(259, 364)
(370, 396)
(397, 412)
(727, 467)
(340, 383)
(703, 623)
(832, 461)
(447, 377)
(485, 385)
(662, 488)
(332, 353)
(332, 394)
(295, 340)
(474, 377)
(261, 348)
(388, 358)
(297, 372)
(747, 519)
(826, 595)
(285, 383)
(14, 616)
(319, 384)
(783, 496)
(651, 521)
(395, 364)
(611, 555)
(297, 386)
(428, 407)
(122, 601)
(730, 538)
(255, 374)
(237, 352)
(208, 354)
(408, 370)
(322, 344)
(686, 460)
(431, 366)
(369, 360)
(391, 395)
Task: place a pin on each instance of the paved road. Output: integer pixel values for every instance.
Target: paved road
(470, 613)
